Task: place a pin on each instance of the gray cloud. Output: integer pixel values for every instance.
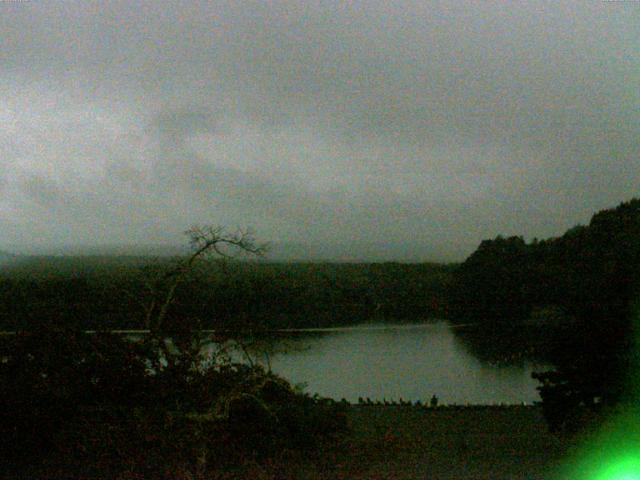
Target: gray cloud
(433, 123)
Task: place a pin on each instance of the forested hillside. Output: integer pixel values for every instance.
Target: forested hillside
(588, 273)
(112, 292)
(572, 298)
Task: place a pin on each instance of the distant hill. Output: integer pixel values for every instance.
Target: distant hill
(7, 257)
(106, 250)
(356, 252)
(364, 252)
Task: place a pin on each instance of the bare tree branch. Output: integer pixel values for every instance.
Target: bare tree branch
(205, 241)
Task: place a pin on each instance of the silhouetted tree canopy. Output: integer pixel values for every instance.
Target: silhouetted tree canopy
(574, 293)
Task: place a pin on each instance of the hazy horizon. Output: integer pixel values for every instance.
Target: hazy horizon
(284, 252)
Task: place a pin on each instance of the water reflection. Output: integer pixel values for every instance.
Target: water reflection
(397, 361)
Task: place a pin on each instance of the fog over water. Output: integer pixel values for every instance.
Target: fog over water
(392, 130)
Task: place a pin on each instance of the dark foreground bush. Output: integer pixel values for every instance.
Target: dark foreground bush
(99, 406)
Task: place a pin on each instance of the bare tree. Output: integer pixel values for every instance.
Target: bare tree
(205, 241)
(184, 357)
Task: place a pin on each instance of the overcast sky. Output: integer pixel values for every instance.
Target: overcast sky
(432, 123)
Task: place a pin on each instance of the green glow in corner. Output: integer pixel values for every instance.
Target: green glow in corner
(613, 452)
(621, 439)
(624, 469)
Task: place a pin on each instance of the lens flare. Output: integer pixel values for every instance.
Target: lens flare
(613, 452)
(624, 469)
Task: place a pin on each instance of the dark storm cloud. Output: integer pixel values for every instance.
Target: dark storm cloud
(434, 122)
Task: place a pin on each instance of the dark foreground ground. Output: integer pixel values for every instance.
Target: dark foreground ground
(447, 443)
(410, 443)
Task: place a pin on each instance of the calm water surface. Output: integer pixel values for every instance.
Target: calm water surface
(394, 361)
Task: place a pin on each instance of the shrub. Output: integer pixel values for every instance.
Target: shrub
(101, 405)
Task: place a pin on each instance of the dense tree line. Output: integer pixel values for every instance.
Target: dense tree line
(104, 293)
(572, 298)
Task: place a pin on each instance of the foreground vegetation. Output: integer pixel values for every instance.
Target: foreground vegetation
(96, 406)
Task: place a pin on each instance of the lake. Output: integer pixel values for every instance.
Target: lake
(412, 362)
